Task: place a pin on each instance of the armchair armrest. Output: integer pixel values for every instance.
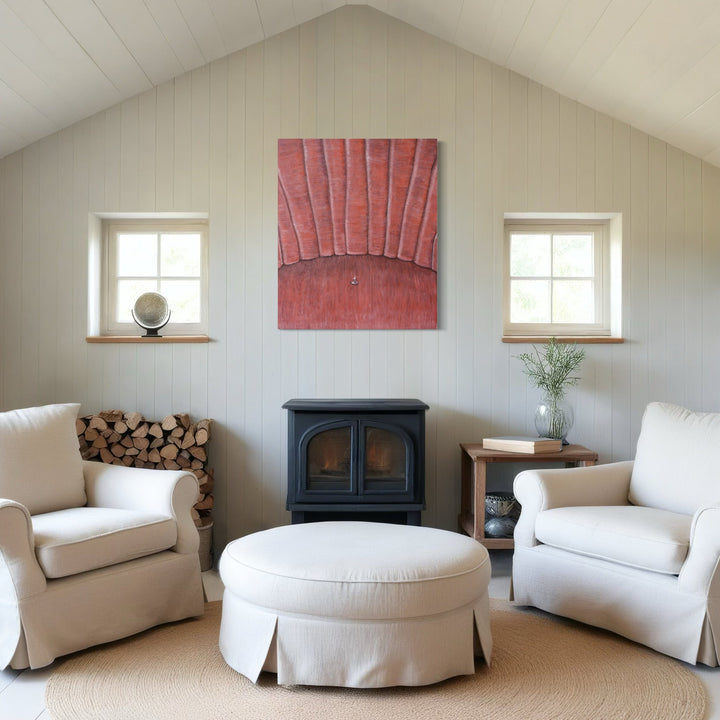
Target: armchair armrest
(538, 490)
(169, 492)
(20, 574)
(17, 548)
(699, 571)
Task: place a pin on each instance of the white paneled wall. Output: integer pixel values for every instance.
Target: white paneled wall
(207, 142)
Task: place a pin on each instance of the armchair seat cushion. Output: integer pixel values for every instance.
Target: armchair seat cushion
(642, 537)
(72, 541)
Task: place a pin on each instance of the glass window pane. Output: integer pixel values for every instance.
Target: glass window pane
(136, 254)
(128, 291)
(530, 301)
(573, 255)
(573, 301)
(180, 254)
(529, 255)
(183, 297)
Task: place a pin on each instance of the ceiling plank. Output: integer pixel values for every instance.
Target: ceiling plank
(91, 30)
(570, 33)
(436, 18)
(276, 16)
(177, 33)
(201, 22)
(136, 27)
(239, 23)
(535, 34)
(611, 27)
(476, 25)
(310, 9)
(37, 38)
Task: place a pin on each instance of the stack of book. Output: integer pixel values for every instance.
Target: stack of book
(522, 444)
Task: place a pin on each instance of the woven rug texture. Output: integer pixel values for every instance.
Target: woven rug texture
(542, 668)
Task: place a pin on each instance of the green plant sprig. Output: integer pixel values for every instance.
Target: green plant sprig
(552, 370)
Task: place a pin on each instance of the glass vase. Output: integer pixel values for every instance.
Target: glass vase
(554, 417)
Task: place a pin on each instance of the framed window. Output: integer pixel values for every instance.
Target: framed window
(558, 279)
(165, 256)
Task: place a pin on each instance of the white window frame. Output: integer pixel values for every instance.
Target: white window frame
(113, 225)
(607, 244)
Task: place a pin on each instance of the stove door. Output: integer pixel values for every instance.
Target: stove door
(327, 461)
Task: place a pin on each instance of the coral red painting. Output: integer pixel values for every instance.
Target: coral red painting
(357, 234)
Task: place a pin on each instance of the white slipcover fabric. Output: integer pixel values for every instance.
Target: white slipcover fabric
(354, 604)
(641, 537)
(586, 547)
(676, 459)
(72, 541)
(40, 465)
(129, 512)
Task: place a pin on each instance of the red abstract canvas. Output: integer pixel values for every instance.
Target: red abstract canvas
(357, 233)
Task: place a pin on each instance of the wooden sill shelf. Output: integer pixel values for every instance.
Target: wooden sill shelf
(579, 339)
(147, 340)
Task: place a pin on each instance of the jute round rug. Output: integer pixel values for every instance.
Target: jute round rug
(542, 667)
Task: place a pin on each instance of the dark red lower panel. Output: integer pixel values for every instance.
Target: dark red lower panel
(356, 292)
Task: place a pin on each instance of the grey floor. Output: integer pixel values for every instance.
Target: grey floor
(22, 694)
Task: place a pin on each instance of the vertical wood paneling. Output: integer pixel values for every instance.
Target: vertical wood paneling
(30, 305)
(147, 150)
(252, 387)
(637, 325)
(46, 270)
(586, 162)
(478, 338)
(500, 370)
(674, 276)
(182, 136)
(692, 342)
(11, 252)
(207, 141)
(567, 155)
(82, 134)
(710, 287)
(164, 146)
(617, 388)
(657, 267)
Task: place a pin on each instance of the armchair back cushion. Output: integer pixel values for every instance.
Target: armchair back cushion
(676, 459)
(41, 465)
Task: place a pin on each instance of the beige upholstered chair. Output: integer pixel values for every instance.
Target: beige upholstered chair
(88, 552)
(632, 547)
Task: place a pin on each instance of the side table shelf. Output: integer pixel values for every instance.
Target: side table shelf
(474, 460)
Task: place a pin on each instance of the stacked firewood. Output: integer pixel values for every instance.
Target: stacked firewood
(174, 443)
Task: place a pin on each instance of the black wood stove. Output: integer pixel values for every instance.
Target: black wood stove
(356, 460)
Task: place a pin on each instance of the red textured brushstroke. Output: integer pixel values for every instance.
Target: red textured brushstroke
(291, 171)
(356, 201)
(378, 162)
(424, 252)
(425, 156)
(402, 153)
(337, 183)
(317, 180)
(288, 249)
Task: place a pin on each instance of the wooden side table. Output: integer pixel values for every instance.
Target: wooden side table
(474, 461)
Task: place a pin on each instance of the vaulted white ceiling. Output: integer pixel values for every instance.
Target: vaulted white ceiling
(651, 63)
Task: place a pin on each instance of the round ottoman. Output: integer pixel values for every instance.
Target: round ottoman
(355, 604)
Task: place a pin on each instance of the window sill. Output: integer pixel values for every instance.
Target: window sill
(579, 339)
(147, 340)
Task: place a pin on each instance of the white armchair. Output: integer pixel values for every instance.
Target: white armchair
(632, 547)
(89, 552)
